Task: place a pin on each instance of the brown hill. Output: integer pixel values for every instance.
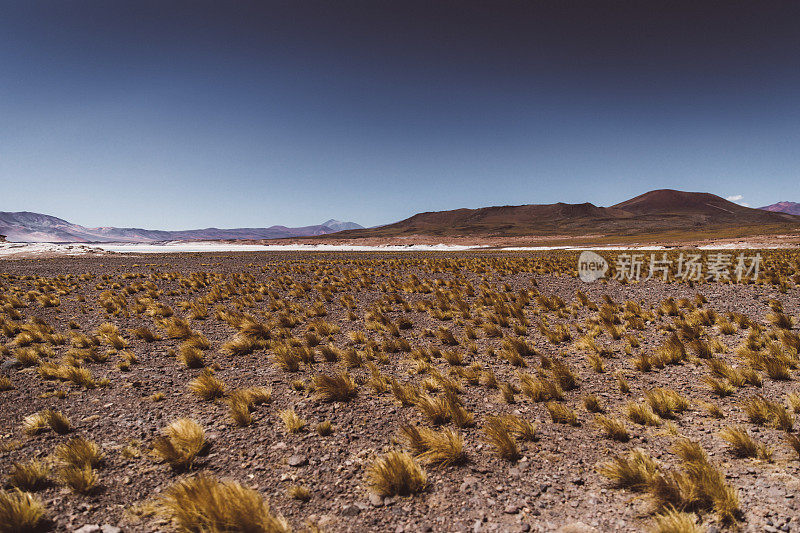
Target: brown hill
(662, 212)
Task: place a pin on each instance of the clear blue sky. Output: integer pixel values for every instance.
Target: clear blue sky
(178, 115)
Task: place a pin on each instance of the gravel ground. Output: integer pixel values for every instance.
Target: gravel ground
(554, 485)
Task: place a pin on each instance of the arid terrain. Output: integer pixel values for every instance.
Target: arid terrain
(474, 391)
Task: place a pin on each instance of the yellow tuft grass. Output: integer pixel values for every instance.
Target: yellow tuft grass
(396, 473)
(614, 428)
(20, 512)
(743, 445)
(634, 471)
(674, 521)
(207, 386)
(443, 448)
(203, 503)
(79, 452)
(183, 440)
(30, 476)
(292, 421)
(80, 479)
(499, 435)
(339, 388)
(562, 414)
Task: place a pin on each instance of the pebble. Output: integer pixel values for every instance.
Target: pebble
(94, 528)
(350, 510)
(375, 500)
(297, 460)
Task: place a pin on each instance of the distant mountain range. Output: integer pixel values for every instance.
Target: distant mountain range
(663, 212)
(24, 226)
(793, 208)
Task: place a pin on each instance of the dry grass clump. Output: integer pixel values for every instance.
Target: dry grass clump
(287, 358)
(712, 409)
(239, 345)
(145, 334)
(622, 383)
(614, 428)
(77, 458)
(242, 401)
(203, 503)
(324, 428)
(183, 440)
(520, 428)
(561, 414)
(759, 410)
(191, 356)
(743, 445)
(665, 402)
(500, 436)
(539, 389)
(634, 471)
(396, 473)
(80, 479)
(20, 512)
(292, 421)
(563, 374)
(339, 388)
(444, 448)
(592, 404)
(793, 400)
(777, 368)
(207, 387)
(780, 320)
(239, 410)
(299, 493)
(672, 352)
(30, 476)
(698, 486)
(641, 413)
(79, 452)
(718, 387)
(674, 521)
(39, 422)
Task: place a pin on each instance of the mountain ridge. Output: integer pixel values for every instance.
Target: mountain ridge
(658, 211)
(27, 226)
(792, 208)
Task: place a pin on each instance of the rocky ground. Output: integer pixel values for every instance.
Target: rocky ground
(555, 484)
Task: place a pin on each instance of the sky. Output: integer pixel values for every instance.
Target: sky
(177, 115)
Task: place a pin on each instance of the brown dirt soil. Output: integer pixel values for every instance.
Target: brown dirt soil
(554, 484)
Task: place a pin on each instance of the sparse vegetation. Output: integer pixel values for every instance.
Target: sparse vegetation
(203, 503)
(465, 362)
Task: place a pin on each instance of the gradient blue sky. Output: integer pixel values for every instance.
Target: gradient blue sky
(176, 115)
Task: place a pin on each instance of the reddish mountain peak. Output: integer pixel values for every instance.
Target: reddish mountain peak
(671, 201)
(792, 208)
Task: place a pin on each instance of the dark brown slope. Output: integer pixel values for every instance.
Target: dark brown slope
(657, 212)
(696, 206)
(501, 220)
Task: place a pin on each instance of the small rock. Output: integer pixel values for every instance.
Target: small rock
(511, 509)
(88, 528)
(108, 528)
(350, 510)
(375, 500)
(9, 364)
(576, 527)
(297, 460)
